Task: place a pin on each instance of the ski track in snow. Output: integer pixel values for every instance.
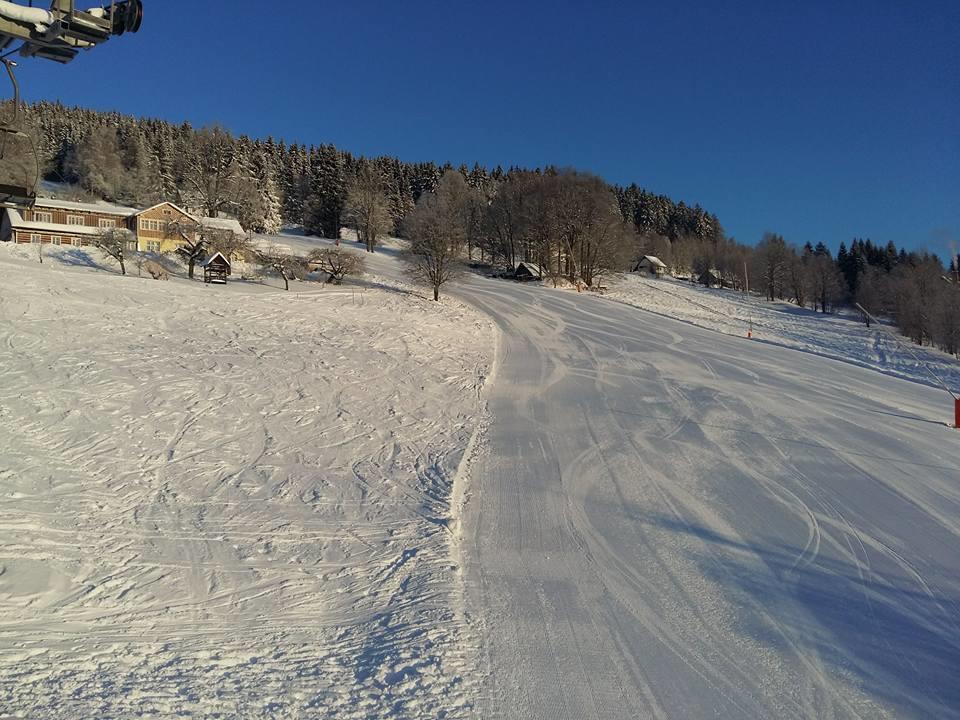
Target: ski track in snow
(670, 522)
(663, 521)
(653, 520)
(231, 502)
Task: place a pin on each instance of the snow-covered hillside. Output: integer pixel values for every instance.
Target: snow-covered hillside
(841, 337)
(231, 502)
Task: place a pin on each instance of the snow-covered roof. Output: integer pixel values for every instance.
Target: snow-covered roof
(213, 257)
(93, 207)
(532, 267)
(161, 204)
(18, 223)
(223, 224)
(652, 260)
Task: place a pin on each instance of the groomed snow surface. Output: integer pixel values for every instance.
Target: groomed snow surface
(840, 337)
(239, 502)
(230, 501)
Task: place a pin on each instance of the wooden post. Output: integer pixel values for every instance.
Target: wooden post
(956, 413)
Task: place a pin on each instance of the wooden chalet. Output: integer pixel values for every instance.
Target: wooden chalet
(216, 269)
(60, 222)
(157, 229)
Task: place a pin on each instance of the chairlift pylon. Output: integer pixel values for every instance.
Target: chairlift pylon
(57, 34)
(19, 161)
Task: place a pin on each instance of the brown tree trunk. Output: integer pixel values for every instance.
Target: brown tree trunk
(436, 293)
(190, 267)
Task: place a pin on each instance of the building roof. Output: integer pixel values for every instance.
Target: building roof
(104, 208)
(161, 204)
(18, 223)
(223, 224)
(652, 260)
(532, 267)
(209, 260)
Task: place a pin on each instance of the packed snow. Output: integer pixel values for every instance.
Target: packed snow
(239, 502)
(671, 522)
(840, 336)
(231, 501)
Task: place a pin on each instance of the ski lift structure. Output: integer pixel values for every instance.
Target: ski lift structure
(57, 34)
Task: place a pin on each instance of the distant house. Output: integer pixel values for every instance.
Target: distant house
(710, 278)
(525, 271)
(216, 269)
(650, 265)
(62, 222)
(224, 225)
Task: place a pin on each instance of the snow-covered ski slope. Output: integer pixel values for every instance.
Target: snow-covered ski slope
(669, 522)
(230, 502)
(665, 521)
(841, 337)
(660, 521)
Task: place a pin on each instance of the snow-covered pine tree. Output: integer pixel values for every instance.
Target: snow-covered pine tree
(267, 218)
(324, 209)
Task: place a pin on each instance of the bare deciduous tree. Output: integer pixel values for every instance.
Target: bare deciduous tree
(825, 282)
(337, 263)
(437, 229)
(196, 240)
(115, 243)
(591, 228)
(233, 246)
(367, 206)
(215, 174)
(771, 264)
(280, 261)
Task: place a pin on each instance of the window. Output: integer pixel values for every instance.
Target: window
(75, 220)
(151, 225)
(42, 217)
(35, 239)
(130, 245)
(77, 242)
(105, 223)
(153, 247)
(55, 240)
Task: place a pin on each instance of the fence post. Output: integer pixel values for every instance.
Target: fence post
(956, 413)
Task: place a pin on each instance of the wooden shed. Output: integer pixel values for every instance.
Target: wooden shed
(526, 271)
(650, 265)
(216, 269)
(711, 278)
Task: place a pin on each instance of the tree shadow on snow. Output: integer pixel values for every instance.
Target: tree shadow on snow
(364, 283)
(898, 637)
(79, 258)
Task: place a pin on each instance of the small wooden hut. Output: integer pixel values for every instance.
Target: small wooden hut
(650, 265)
(527, 271)
(216, 269)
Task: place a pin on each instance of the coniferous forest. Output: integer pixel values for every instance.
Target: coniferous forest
(512, 215)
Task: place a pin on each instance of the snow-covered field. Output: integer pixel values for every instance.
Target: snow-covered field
(231, 502)
(841, 337)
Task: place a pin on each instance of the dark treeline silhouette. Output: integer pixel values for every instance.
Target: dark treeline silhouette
(265, 183)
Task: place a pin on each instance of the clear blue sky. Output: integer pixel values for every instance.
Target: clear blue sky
(819, 120)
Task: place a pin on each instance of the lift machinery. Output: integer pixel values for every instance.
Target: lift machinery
(59, 34)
